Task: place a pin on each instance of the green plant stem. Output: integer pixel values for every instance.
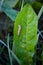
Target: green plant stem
(9, 50)
(22, 4)
(40, 13)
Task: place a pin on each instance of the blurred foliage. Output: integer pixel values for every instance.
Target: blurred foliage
(6, 7)
(11, 8)
(37, 6)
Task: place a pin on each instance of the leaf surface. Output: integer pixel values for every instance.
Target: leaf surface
(24, 44)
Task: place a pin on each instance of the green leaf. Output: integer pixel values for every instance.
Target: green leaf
(24, 43)
(10, 3)
(11, 13)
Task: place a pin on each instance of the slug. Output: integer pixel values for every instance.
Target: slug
(19, 30)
